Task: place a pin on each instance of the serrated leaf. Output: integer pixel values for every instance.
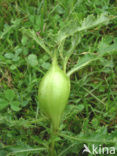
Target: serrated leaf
(82, 62)
(38, 39)
(23, 149)
(87, 23)
(99, 136)
(105, 48)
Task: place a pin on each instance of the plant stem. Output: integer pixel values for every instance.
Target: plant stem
(76, 68)
(54, 58)
(52, 146)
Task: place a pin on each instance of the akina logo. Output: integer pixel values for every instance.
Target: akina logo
(99, 150)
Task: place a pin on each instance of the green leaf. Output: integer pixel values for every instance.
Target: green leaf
(98, 136)
(10, 28)
(80, 108)
(82, 62)
(38, 39)
(72, 109)
(32, 60)
(9, 94)
(24, 103)
(3, 104)
(20, 150)
(46, 65)
(13, 67)
(24, 40)
(95, 122)
(87, 23)
(9, 55)
(15, 106)
(106, 48)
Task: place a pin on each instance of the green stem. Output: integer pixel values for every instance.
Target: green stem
(52, 146)
(54, 58)
(64, 65)
(77, 68)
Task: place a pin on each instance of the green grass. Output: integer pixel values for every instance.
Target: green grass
(83, 32)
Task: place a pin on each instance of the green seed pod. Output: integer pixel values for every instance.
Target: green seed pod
(53, 93)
